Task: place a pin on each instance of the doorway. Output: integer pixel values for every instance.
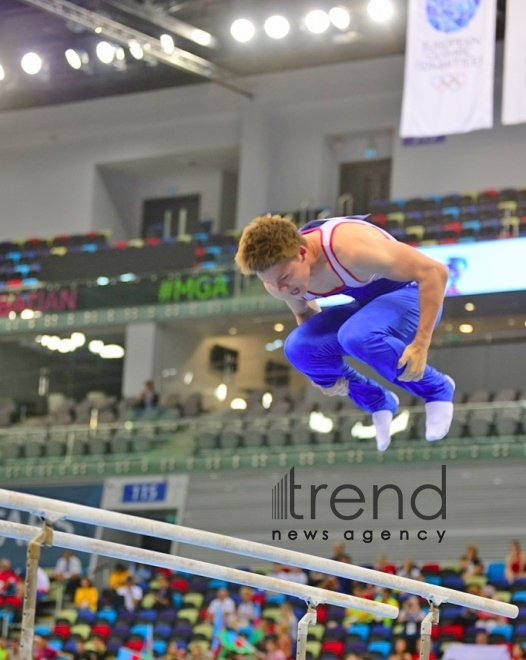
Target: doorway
(170, 216)
(366, 181)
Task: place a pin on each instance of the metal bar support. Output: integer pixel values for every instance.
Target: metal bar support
(309, 619)
(426, 627)
(44, 537)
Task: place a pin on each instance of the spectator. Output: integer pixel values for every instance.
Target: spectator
(338, 550)
(384, 566)
(278, 571)
(131, 592)
(143, 575)
(470, 563)
(174, 652)
(42, 583)
(411, 616)
(400, 650)
(283, 639)
(515, 562)
(409, 570)
(163, 594)
(517, 652)
(11, 587)
(68, 570)
(148, 398)
(385, 595)
(98, 648)
(86, 595)
(222, 608)
(287, 616)
(196, 653)
(13, 647)
(295, 574)
(272, 650)
(3, 649)
(246, 613)
(41, 651)
(118, 577)
(359, 590)
(482, 637)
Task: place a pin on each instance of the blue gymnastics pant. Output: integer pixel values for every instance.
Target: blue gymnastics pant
(375, 333)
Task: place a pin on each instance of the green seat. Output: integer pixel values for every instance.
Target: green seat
(202, 643)
(316, 631)
(503, 596)
(204, 629)
(193, 598)
(70, 615)
(314, 648)
(190, 615)
(273, 613)
(82, 630)
(148, 601)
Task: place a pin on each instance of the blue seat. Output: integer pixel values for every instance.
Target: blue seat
(495, 570)
(380, 646)
(519, 597)
(504, 630)
(361, 629)
(159, 646)
(108, 615)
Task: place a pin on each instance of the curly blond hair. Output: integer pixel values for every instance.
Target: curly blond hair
(268, 240)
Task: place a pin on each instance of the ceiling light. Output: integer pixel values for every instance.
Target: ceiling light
(95, 346)
(466, 328)
(127, 277)
(340, 18)
(380, 10)
(167, 43)
(232, 331)
(76, 58)
(279, 327)
(120, 55)
(31, 63)
(317, 21)
(201, 37)
(277, 27)
(266, 400)
(469, 307)
(238, 404)
(136, 49)
(27, 314)
(112, 352)
(221, 392)
(242, 30)
(2, 72)
(78, 339)
(52, 343)
(188, 378)
(103, 281)
(105, 52)
(66, 346)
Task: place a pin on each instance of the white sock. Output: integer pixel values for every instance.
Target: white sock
(439, 415)
(382, 423)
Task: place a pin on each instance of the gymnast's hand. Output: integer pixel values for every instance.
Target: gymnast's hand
(340, 388)
(414, 359)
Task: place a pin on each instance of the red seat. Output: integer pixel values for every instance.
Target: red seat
(101, 629)
(333, 646)
(62, 630)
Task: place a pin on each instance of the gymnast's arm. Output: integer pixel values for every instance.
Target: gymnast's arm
(302, 309)
(366, 252)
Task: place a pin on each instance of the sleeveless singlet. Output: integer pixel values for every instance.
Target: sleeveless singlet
(362, 291)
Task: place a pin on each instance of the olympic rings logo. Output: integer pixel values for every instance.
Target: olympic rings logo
(449, 82)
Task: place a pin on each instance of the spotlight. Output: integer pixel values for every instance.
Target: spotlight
(466, 328)
(31, 63)
(2, 72)
(317, 21)
(95, 346)
(277, 27)
(112, 352)
(167, 43)
(105, 52)
(242, 30)
(201, 37)
(380, 10)
(77, 59)
(340, 18)
(136, 49)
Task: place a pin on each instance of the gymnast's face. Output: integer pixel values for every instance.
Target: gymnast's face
(290, 278)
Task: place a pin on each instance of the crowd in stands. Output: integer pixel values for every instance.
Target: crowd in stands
(175, 616)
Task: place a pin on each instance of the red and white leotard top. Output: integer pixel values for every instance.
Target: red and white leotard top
(360, 290)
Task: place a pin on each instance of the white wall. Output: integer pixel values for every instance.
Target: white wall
(48, 164)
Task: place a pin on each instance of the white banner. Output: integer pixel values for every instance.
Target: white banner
(476, 652)
(514, 86)
(449, 67)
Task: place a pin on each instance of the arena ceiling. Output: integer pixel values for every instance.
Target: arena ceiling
(28, 26)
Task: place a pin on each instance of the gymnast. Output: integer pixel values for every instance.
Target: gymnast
(397, 302)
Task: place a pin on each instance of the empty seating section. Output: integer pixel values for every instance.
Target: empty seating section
(457, 218)
(481, 416)
(337, 632)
